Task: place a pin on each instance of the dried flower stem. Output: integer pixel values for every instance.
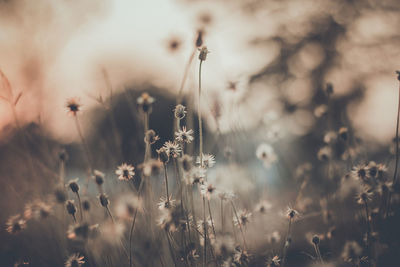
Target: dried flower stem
(109, 214)
(147, 144)
(133, 224)
(316, 247)
(80, 206)
(222, 216)
(397, 154)
(85, 148)
(240, 225)
(205, 233)
(200, 121)
(166, 182)
(211, 218)
(185, 75)
(171, 251)
(286, 244)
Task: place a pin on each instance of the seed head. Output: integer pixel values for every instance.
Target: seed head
(184, 136)
(71, 209)
(98, 177)
(145, 102)
(163, 155)
(173, 149)
(125, 172)
(104, 200)
(73, 106)
(203, 53)
(15, 224)
(73, 184)
(60, 195)
(75, 260)
(180, 111)
(151, 137)
(291, 213)
(315, 240)
(199, 39)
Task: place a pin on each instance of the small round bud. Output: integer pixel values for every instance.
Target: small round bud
(71, 209)
(104, 200)
(74, 185)
(151, 137)
(203, 53)
(63, 155)
(180, 111)
(315, 240)
(199, 39)
(98, 177)
(145, 102)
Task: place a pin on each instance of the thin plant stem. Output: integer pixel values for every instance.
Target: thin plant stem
(200, 120)
(166, 182)
(318, 252)
(397, 154)
(171, 251)
(85, 148)
(205, 233)
(109, 214)
(286, 244)
(80, 206)
(185, 75)
(133, 225)
(222, 215)
(240, 225)
(211, 218)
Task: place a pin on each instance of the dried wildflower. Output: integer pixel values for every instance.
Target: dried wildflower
(243, 218)
(241, 257)
(151, 137)
(166, 203)
(365, 195)
(37, 209)
(104, 201)
(203, 53)
(125, 172)
(180, 111)
(207, 190)
(15, 224)
(292, 214)
(171, 219)
(208, 226)
(263, 206)
(173, 149)
(75, 260)
(361, 172)
(186, 161)
(163, 155)
(315, 240)
(325, 153)
(70, 205)
(73, 185)
(274, 261)
(73, 106)
(208, 161)
(266, 154)
(184, 136)
(60, 195)
(145, 102)
(98, 177)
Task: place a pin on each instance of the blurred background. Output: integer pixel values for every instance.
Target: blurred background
(282, 72)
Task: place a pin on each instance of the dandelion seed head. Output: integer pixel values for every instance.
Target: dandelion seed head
(361, 172)
(125, 172)
(243, 218)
